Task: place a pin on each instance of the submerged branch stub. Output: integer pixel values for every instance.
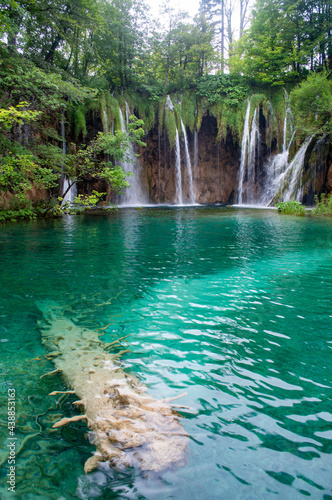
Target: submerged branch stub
(65, 421)
(128, 426)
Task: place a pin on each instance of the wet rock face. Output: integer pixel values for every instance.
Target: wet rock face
(214, 169)
(317, 177)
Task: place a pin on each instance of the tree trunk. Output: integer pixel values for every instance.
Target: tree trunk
(50, 55)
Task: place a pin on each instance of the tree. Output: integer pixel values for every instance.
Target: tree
(312, 105)
(286, 39)
(214, 10)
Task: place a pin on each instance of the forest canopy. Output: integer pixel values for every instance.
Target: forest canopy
(118, 44)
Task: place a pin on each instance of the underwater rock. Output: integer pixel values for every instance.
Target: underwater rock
(128, 427)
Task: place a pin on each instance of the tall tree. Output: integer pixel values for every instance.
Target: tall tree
(214, 11)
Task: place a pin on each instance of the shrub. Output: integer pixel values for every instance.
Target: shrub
(323, 205)
(291, 208)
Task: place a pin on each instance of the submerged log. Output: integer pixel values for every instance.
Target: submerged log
(128, 427)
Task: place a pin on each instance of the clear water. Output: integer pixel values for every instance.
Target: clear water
(231, 306)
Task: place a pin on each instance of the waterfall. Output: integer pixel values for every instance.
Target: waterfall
(134, 194)
(169, 103)
(277, 165)
(178, 169)
(283, 180)
(249, 157)
(274, 171)
(188, 163)
(72, 191)
(252, 155)
(244, 148)
(291, 179)
(284, 143)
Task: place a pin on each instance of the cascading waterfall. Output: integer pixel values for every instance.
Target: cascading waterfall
(188, 163)
(249, 157)
(253, 152)
(169, 103)
(244, 148)
(291, 179)
(283, 179)
(67, 194)
(133, 195)
(178, 169)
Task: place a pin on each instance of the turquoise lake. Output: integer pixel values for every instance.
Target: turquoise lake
(231, 306)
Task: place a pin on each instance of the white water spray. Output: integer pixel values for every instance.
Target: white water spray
(244, 148)
(133, 195)
(67, 194)
(188, 163)
(283, 179)
(291, 179)
(249, 157)
(178, 169)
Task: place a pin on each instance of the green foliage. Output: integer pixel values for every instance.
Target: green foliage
(89, 160)
(232, 88)
(24, 81)
(291, 208)
(89, 199)
(77, 119)
(21, 213)
(323, 205)
(17, 115)
(312, 104)
(19, 174)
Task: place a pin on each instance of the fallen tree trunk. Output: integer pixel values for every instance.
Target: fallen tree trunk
(128, 427)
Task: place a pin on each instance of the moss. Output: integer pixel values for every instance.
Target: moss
(161, 112)
(103, 113)
(77, 120)
(145, 110)
(177, 111)
(202, 107)
(229, 117)
(188, 109)
(256, 100)
(121, 101)
(170, 125)
(113, 110)
(277, 99)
